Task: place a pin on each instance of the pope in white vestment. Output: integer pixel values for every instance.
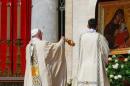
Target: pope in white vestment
(49, 69)
(93, 55)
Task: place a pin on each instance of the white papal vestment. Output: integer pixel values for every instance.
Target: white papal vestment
(51, 60)
(93, 52)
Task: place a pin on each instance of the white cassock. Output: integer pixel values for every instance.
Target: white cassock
(91, 66)
(51, 61)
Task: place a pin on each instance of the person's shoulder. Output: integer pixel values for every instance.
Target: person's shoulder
(83, 32)
(83, 35)
(102, 37)
(28, 44)
(42, 42)
(99, 34)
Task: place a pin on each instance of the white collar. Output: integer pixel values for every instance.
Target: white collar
(91, 30)
(34, 40)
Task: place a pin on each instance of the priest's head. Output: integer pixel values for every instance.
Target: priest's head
(36, 33)
(92, 23)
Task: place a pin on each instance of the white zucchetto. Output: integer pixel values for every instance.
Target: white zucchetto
(34, 31)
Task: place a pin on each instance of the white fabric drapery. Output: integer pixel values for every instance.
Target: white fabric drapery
(52, 63)
(87, 63)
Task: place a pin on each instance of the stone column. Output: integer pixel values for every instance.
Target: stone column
(83, 10)
(45, 16)
(69, 34)
(77, 14)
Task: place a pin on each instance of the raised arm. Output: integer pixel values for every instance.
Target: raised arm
(68, 41)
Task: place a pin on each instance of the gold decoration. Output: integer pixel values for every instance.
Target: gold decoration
(8, 62)
(8, 42)
(35, 69)
(18, 41)
(106, 13)
(8, 19)
(19, 19)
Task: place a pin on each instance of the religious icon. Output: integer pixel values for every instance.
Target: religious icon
(114, 19)
(116, 31)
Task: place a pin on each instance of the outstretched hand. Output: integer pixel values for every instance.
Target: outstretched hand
(70, 42)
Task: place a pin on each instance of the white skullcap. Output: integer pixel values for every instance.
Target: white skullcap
(34, 31)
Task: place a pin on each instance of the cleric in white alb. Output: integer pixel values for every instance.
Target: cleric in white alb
(93, 56)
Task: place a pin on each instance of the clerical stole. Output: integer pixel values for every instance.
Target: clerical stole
(98, 61)
(35, 68)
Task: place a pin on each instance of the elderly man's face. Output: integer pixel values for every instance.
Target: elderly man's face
(40, 35)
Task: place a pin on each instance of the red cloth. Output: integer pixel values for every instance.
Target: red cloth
(25, 34)
(120, 39)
